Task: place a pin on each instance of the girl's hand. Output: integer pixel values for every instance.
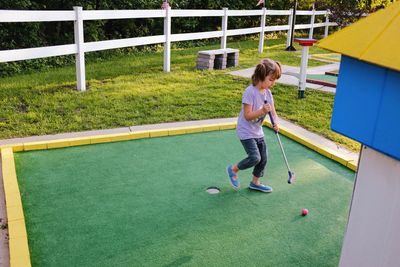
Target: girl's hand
(267, 108)
(275, 127)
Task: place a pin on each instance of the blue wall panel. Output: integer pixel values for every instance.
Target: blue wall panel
(367, 105)
(387, 129)
(357, 99)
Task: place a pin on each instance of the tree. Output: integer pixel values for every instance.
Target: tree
(26, 35)
(345, 12)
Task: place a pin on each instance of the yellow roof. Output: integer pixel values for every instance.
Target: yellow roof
(375, 39)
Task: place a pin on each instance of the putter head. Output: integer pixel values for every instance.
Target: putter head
(291, 177)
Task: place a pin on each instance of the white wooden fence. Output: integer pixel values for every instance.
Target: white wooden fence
(80, 47)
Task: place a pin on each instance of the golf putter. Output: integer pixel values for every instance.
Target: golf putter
(291, 175)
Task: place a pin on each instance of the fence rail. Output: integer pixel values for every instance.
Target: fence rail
(35, 16)
(79, 48)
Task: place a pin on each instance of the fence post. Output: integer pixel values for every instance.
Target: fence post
(311, 33)
(167, 44)
(224, 28)
(289, 33)
(261, 43)
(327, 23)
(80, 55)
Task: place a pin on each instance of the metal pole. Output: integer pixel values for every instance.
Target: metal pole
(291, 47)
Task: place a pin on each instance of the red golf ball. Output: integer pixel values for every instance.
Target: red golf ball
(304, 212)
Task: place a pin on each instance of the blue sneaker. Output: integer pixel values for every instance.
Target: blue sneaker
(234, 182)
(260, 187)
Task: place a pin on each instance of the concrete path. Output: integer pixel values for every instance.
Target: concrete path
(290, 75)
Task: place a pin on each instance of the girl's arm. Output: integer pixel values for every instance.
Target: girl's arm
(250, 115)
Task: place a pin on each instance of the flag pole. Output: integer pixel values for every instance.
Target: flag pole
(291, 47)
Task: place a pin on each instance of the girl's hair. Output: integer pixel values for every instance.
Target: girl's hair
(265, 68)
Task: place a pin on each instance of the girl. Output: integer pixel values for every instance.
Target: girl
(257, 101)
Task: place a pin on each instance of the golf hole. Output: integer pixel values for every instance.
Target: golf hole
(213, 190)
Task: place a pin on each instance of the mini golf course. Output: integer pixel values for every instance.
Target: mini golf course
(144, 203)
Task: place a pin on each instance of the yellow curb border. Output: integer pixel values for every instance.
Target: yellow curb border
(18, 243)
(107, 138)
(18, 238)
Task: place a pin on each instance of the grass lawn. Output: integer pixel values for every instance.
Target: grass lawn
(134, 90)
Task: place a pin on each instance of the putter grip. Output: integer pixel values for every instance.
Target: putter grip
(270, 116)
(272, 120)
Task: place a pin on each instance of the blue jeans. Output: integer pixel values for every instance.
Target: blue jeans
(256, 150)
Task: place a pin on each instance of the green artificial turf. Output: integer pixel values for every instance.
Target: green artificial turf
(323, 77)
(143, 203)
